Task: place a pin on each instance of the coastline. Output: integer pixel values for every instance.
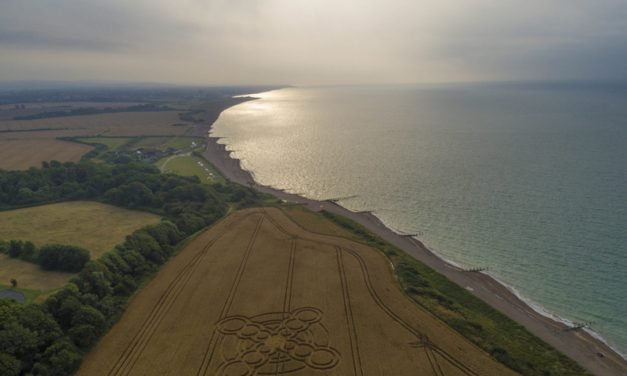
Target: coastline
(583, 346)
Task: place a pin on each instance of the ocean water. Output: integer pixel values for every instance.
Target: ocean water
(530, 182)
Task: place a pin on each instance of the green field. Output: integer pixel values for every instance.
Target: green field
(163, 143)
(188, 165)
(112, 143)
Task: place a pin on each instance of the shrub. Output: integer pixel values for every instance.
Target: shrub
(63, 257)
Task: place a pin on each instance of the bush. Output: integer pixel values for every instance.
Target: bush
(65, 258)
(15, 248)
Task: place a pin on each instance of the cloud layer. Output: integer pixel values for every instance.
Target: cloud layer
(312, 42)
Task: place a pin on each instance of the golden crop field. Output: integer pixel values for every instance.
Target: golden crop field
(24, 153)
(94, 226)
(259, 295)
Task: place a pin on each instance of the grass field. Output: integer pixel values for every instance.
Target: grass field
(163, 143)
(22, 154)
(112, 143)
(189, 165)
(259, 295)
(184, 142)
(94, 226)
(30, 276)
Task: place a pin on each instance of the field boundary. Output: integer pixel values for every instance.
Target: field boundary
(133, 351)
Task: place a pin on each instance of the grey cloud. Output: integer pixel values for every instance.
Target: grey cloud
(28, 40)
(324, 41)
(89, 25)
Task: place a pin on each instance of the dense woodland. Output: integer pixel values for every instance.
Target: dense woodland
(65, 258)
(51, 338)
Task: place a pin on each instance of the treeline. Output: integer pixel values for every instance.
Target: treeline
(51, 338)
(94, 111)
(65, 258)
(185, 201)
(191, 117)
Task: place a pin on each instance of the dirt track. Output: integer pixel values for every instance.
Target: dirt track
(258, 295)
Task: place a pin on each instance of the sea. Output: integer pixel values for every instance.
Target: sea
(528, 180)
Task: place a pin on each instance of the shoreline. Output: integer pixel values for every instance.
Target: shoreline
(582, 345)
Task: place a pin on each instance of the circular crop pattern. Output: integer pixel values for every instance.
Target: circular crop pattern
(275, 343)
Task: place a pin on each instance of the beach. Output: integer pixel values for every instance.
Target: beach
(581, 346)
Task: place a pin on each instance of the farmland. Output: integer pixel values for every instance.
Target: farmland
(27, 143)
(111, 124)
(122, 120)
(24, 153)
(312, 303)
(91, 225)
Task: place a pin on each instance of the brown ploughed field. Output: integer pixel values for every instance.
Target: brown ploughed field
(258, 295)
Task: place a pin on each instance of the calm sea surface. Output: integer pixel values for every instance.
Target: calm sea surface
(530, 183)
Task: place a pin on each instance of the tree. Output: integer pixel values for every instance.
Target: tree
(131, 195)
(15, 248)
(9, 365)
(188, 192)
(84, 336)
(59, 359)
(13, 282)
(87, 315)
(9, 310)
(64, 304)
(25, 194)
(93, 279)
(87, 326)
(147, 246)
(17, 340)
(29, 251)
(62, 257)
(34, 318)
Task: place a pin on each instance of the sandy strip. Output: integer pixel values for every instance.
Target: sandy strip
(585, 349)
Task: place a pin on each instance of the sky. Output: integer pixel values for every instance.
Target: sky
(313, 42)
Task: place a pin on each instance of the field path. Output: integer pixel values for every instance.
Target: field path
(258, 295)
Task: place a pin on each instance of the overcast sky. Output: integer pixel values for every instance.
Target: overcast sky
(312, 41)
